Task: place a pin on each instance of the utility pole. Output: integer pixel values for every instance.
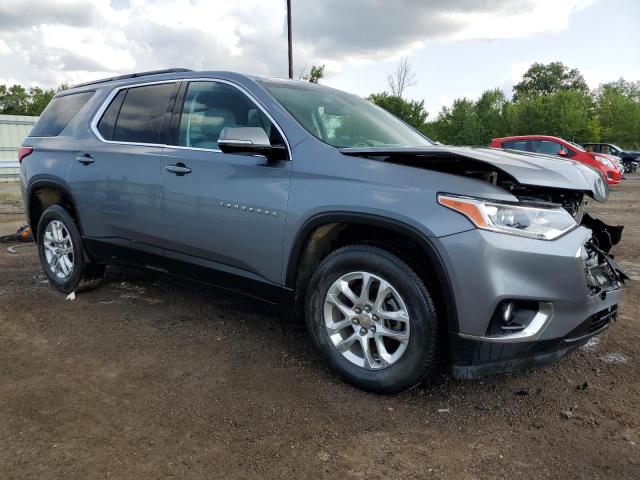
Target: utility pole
(289, 38)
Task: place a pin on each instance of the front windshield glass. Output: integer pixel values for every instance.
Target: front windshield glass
(344, 120)
(580, 148)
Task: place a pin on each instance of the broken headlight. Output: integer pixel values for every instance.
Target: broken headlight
(544, 223)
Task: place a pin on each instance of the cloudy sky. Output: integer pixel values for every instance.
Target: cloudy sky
(457, 47)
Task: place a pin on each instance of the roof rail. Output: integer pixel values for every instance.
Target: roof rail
(133, 75)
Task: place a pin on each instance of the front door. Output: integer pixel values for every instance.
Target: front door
(223, 212)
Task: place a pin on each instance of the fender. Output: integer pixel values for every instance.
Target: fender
(380, 222)
(40, 181)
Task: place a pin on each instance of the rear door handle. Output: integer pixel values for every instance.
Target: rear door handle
(179, 169)
(85, 159)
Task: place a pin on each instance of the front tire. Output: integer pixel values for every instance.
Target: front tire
(61, 253)
(372, 319)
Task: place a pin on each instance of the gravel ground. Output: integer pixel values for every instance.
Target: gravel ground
(153, 377)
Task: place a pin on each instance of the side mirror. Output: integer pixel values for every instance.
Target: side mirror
(250, 141)
(562, 153)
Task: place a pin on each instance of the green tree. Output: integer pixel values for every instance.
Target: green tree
(618, 110)
(410, 111)
(490, 111)
(548, 79)
(568, 114)
(38, 100)
(17, 100)
(458, 125)
(14, 100)
(315, 74)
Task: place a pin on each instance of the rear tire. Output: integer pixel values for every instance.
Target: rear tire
(62, 255)
(382, 338)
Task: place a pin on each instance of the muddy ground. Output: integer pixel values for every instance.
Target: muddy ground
(153, 377)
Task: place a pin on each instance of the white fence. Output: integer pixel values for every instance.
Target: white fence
(13, 130)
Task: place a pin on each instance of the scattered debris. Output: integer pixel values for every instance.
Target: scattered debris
(23, 234)
(614, 359)
(567, 414)
(443, 410)
(324, 456)
(631, 436)
(71, 296)
(592, 345)
(632, 269)
(13, 249)
(523, 392)
(582, 386)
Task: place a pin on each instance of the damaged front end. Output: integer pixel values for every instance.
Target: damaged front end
(539, 287)
(533, 179)
(602, 272)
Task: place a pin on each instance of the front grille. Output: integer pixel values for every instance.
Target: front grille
(601, 319)
(596, 322)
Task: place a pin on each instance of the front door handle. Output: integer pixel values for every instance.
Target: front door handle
(179, 169)
(85, 159)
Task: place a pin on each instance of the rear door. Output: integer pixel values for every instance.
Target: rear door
(116, 181)
(223, 212)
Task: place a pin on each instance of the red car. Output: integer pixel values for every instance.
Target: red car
(557, 146)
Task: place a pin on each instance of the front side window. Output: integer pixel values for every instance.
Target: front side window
(344, 120)
(59, 113)
(140, 116)
(548, 147)
(515, 145)
(209, 107)
(607, 149)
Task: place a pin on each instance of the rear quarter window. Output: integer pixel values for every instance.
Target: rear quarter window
(59, 113)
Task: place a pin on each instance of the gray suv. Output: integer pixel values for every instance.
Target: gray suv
(400, 254)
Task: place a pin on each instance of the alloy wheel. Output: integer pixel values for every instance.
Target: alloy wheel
(367, 320)
(58, 249)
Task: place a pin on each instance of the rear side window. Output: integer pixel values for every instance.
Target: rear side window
(136, 115)
(515, 145)
(59, 113)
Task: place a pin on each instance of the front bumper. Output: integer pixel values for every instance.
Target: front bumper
(487, 269)
(613, 177)
(472, 358)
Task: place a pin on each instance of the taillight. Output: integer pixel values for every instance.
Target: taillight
(23, 152)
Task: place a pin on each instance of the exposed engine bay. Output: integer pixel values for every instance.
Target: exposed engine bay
(602, 272)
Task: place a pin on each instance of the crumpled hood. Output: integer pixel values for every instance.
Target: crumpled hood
(526, 168)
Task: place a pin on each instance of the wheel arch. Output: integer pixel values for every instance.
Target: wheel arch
(308, 250)
(44, 192)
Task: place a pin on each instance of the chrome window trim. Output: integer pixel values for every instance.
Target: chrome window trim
(107, 102)
(114, 92)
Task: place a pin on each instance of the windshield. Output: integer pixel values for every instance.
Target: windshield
(580, 148)
(344, 120)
